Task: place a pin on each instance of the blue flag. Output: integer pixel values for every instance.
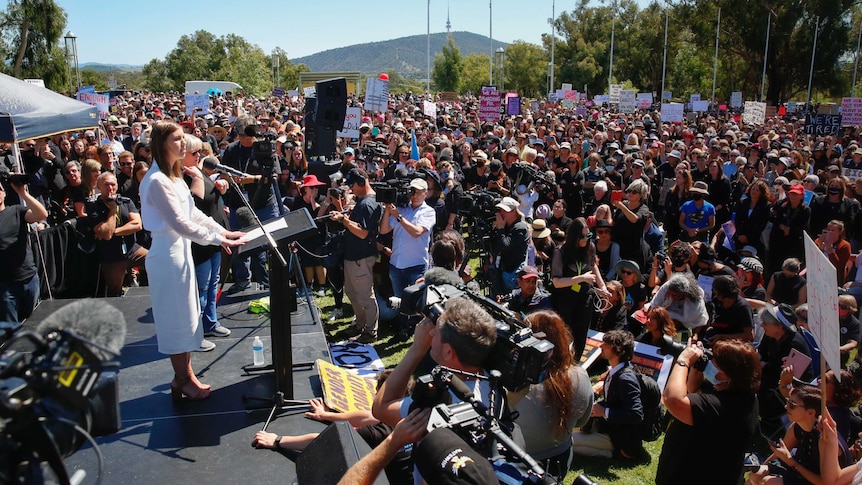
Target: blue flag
(414, 148)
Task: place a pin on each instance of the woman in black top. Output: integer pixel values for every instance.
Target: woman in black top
(629, 223)
(752, 215)
(790, 220)
(674, 199)
(787, 286)
(719, 192)
(574, 272)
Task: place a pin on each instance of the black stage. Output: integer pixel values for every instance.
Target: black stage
(205, 441)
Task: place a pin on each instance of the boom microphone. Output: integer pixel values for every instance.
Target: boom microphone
(441, 276)
(93, 321)
(211, 163)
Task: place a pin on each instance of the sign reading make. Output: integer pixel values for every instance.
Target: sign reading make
(821, 124)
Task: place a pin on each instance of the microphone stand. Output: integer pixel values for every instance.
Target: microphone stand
(273, 246)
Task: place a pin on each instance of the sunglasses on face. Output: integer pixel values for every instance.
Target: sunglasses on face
(627, 272)
(126, 164)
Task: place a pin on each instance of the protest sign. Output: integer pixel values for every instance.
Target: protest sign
(822, 303)
(36, 82)
(293, 93)
(560, 95)
(489, 105)
(343, 390)
(648, 359)
(278, 92)
(614, 93)
(736, 99)
(755, 113)
(628, 101)
(820, 124)
(666, 95)
(311, 92)
(729, 230)
(376, 94)
(87, 89)
(580, 110)
(566, 86)
(567, 103)
(571, 95)
(602, 98)
(352, 120)
(851, 111)
(360, 359)
(672, 112)
(644, 100)
(429, 109)
(693, 98)
(700, 105)
(851, 174)
(201, 101)
(513, 105)
(100, 101)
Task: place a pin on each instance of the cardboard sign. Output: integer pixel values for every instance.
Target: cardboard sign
(628, 101)
(614, 93)
(851, 111)
(100, 101)
(736, 99)
(429, 109)
(823, 303)
(755, 113)
(201, 101)
(644, 100)
(352, 120)
(647, 358)
(820, 124)
(700, 105)
(376, 94)
(489, 105)
(343, 390)
(672, 112)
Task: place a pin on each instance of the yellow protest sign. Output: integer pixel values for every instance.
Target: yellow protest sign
(343, 390)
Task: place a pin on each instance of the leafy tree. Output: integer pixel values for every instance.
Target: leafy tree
(474, 73)
(245, 64)
(446, 73)
(30, 33)
(525, 68)
(156, 76)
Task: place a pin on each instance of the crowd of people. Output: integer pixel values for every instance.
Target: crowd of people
(686, 236)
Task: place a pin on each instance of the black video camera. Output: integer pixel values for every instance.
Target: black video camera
(373, 151)
(521, 358)
(394, 191)
(264, 149)
(481, 205)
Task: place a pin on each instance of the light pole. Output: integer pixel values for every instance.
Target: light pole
(500, 54)
(554, 38)
(613, 26)
(491, 35)
(664, 61)
(715, 65)
(765, 53)
(856, 62)
(72, 57)
(811, 71)
(428, 51)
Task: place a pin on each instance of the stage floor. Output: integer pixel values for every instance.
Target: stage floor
(205, 441)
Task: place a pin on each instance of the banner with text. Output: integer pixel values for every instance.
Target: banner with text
(817, 124)
(351, 123)
(513, 105)
(823, 303)
(343, 390)
(672, 112)
(489, 105)
(851, 111)
(376, 94)
(100, 101)
(200, 101)
(628, 101)
(755, 113)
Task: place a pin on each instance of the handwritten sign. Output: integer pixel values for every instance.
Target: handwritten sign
(628, 101)
(644, 100)
(851, 111)
(343, 390)
(700, 105)
(352, 120)
(566, 86)
(666, 95)
(200, 101)
(672, 112)
(100, 101)
(614, 94)
(755, 113)
(489, 105)
(429, 109)
(310, 92)
(822, 303)
(820, 124)
(376, 94)
(851, 173)
(736, 99)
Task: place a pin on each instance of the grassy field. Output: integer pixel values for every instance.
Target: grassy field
(604, 471)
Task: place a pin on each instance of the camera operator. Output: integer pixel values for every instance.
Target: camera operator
(461, 339)
(19, 282)
(509, 246)
(256, 186)
(711, 429)
(114, 221)
(411, 227)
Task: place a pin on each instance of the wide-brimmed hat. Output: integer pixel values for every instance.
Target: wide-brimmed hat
(540, 229)
(311, 181)
(627, 264)
(784, 313)
(700, 188)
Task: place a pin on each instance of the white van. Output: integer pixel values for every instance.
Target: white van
(201, 87)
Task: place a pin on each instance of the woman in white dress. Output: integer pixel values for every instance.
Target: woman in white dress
(169, 213)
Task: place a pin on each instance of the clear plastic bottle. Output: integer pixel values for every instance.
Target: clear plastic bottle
(257, 351)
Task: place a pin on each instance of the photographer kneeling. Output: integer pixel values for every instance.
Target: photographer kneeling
(711, 430)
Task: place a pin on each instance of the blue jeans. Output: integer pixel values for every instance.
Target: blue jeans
(207, 274)
(402, 278)
(18, 299)
(256, 261)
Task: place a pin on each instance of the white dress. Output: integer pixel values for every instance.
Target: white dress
(169, 213)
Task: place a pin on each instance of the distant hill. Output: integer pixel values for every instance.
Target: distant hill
(99, 67)
(406, 55)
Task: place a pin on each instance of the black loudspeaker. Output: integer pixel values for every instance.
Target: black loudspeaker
(331, 103)
(326, 459)
(310, 131)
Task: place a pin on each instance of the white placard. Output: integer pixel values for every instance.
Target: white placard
(310, 92)
(429, 109)
(755, 113)
(644, 100)
(694, 97)
(292, 93)
(823, 303)
(351, 123)
(566, 86)
(666, 95)
(736, 99)
(201, 101)
(35, 82)
(376, 94)
(672, 112)
(614, 94)
(100, 101)
(700, 106)
(560, 94)
(628, 101)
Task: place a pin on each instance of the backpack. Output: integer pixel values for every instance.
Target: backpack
(651, 426)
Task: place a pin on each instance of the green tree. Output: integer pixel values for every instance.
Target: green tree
(245, 64)
(156, 77)
(525, 68)
(446, 73)
(30, 33)
(474, 73)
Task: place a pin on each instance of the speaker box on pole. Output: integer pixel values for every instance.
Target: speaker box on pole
(331, 103)
(310, 132)
(326, 459)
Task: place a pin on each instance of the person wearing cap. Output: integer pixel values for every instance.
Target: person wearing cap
(411, 227)
(360, 252)
(528, 297)
(790, 220)
(509, 247)
(849, 327)
(855, 161)
(780, 336)
(697, 216)
(749, 276)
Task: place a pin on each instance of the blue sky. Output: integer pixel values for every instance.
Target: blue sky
(134, 32)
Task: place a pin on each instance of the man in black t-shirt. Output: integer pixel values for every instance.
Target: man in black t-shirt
(732, 318)
(19, 283)
(360, 253)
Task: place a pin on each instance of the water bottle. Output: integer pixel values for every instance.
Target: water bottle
(257, 351)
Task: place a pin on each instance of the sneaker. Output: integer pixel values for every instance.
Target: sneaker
(365, 338)
(237, 287)
(218, 331)
(206, 346)
(336, 314)
(320, 292)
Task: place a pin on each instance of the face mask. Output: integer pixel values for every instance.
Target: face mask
(834, 190)
(678, 262)
(710, 373)
(609, 168)
(444, 175)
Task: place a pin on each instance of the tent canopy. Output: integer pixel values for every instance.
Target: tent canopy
(38, 112)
